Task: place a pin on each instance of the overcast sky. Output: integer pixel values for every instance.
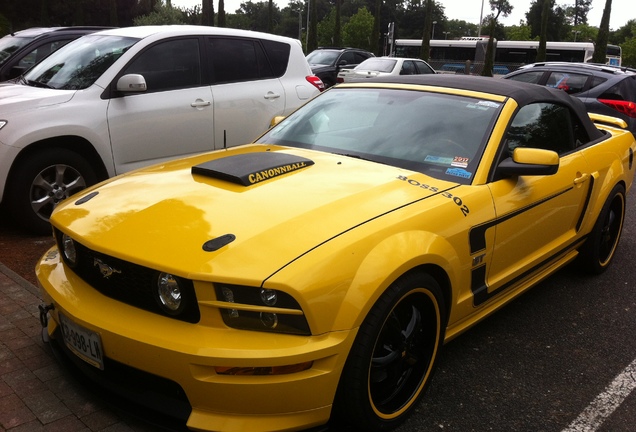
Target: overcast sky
(470, 10)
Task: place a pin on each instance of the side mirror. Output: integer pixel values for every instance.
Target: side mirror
(530, 161)
(276, 120)
(132, 83)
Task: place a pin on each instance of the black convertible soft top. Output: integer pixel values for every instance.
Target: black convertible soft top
(523, 93)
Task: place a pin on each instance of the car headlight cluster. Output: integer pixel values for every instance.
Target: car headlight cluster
(147, 288)
(261, 309)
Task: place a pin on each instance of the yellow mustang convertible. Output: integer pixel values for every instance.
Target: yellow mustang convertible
(313, 276)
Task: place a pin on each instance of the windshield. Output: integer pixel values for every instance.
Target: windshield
(376, 64)
(324, 57)
(10, 44)
(438, 134)
(78, 64)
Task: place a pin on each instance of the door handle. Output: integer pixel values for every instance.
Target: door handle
(200, 103)
(582, 178)
(271, 95)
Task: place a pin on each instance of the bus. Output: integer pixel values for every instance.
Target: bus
(452, 55)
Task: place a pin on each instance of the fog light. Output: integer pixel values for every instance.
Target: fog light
(269, 320)
(269, 296)
(68, 249)
(169, 294)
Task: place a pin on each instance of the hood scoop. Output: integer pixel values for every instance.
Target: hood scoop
(250, 168)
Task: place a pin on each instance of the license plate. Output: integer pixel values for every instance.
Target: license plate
(84, 343)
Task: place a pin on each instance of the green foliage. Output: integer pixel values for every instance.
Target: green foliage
(162, 15)
(521, 32)
(357, 32)
(326, 29)
(629, 52)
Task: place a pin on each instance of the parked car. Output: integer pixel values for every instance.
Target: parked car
(316, 273)
(327, 62)
(124, 98)
(22, 49)
(604, 89)
(385, 66)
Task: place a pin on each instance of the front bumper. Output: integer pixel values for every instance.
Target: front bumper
(171, 364)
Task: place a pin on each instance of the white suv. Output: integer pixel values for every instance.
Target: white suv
(120, 99)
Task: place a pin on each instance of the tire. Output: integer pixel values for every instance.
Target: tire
(393, 357)
(600, 247)
(41, 181)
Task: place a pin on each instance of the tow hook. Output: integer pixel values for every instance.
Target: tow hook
(44, 310)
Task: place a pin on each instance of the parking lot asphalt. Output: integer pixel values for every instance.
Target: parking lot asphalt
(36, 393)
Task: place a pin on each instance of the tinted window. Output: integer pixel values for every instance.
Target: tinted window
(532, 77)
(545, 126)
(169, 65)
(423, 68)
(570, 82)
(278, 55)
(597, 81)
(348, 58)
(236, 60)
(41, 52)
(408, 68)
(624, 90)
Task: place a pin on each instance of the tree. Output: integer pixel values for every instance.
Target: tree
(499, 7)
(558, 27)
(629, 52)
(543, 37)
(600, 48)
(207, 12)
(577, 14)
(337, 30)
(221, 15)
(425, 51)
(357, 31)
(312, 40)
(162, 15)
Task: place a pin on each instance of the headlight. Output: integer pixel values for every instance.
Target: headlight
(261, 309)
(169, 294)
(69, 250)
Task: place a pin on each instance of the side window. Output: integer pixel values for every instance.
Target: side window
(532, 77)
(40, 52)
(169, 65)
(545, 126)
(408, 68)
(569, 82)
(237, 60)
(278, 55)
(348, 57)
(423, 68)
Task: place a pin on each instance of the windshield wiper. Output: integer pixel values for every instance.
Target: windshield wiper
(34, 83)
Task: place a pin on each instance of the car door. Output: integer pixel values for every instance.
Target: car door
(538, 217)
(247, 94)
(173, 117)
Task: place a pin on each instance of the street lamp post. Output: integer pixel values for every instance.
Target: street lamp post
(433, 32)
(446, 34)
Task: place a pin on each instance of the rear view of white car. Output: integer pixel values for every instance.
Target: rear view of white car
(385, 66)
(120, 99)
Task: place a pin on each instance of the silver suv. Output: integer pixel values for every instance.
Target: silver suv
(120, 99)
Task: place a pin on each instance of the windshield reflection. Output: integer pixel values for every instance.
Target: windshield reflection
(80, 63)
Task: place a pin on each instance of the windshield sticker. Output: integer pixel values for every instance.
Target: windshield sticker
(459, 161)
(438, 160)
(458, 172)
(489, 104)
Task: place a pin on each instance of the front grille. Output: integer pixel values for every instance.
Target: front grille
(127, 282)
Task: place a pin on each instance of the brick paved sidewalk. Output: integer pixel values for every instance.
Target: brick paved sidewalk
(36, 394)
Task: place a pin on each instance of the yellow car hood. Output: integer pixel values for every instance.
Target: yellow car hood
(205, 225)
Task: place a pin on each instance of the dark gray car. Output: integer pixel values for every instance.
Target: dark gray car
(608, 90)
